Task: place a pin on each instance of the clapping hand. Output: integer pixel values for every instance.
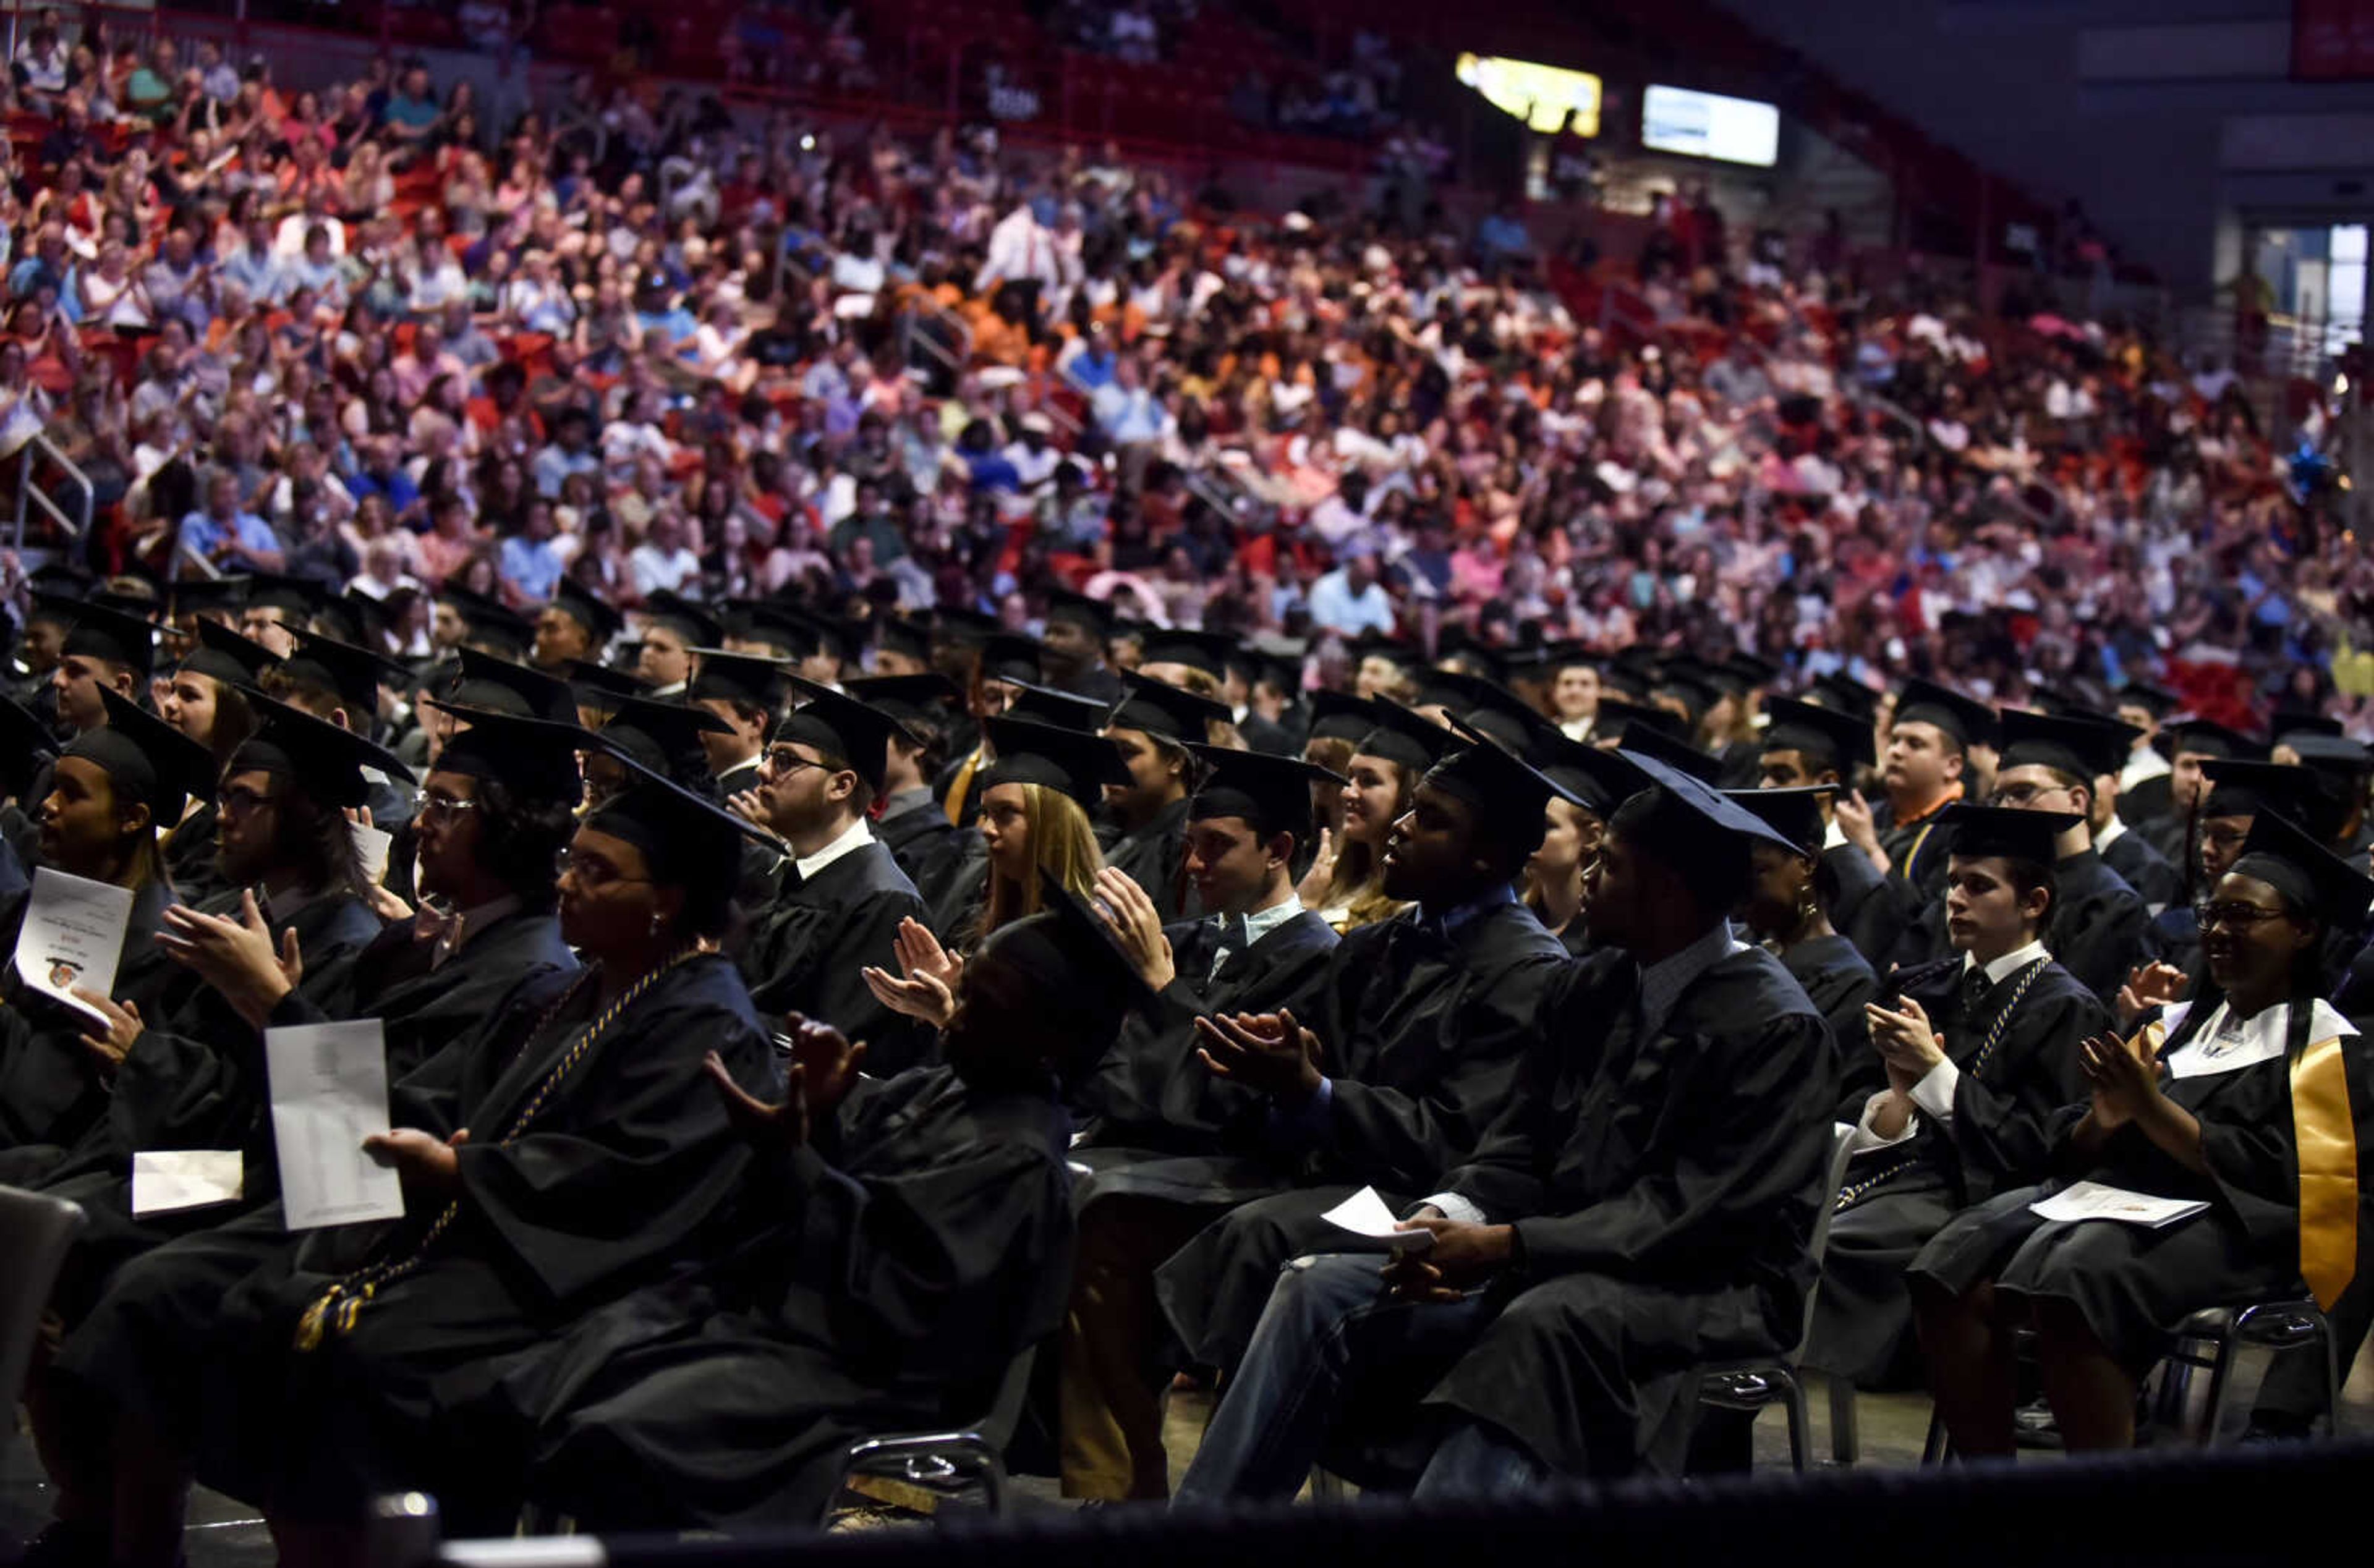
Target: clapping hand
(238, 957)
(2125, 1076)
(1134, 922)
(1268, 1051)
(1903, 1038)
(926, 985)
(2149, 986)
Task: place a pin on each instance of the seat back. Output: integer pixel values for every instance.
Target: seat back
(35, 1232)
(1841, 1140)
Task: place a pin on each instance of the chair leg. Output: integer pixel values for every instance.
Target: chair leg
(2221, 1377)
(1800, 1420)
(2332, 1380)
(992, 1484)
(1937, 1447)
(1846, 1437)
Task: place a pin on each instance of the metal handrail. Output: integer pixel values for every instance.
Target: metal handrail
(38, 445)
(1864, 398)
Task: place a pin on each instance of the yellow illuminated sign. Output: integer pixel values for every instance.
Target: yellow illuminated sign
(1542, 95)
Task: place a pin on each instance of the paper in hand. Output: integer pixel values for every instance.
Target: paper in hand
(371, 845)
(329, 1092)
(1364, 1214)
(72, 935)
(2094, 1200)
(164, 1180)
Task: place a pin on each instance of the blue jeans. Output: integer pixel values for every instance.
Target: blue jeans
(1328, 1320)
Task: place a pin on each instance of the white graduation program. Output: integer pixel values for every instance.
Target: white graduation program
(1365, 1214)
(71, 936)
(329, 1092)
(2096, 1200)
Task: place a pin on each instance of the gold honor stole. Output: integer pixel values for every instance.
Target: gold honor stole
(2324, 1139)
(954, 805)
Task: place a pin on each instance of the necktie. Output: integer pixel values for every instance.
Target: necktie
(1228, 941)
(1975, 986)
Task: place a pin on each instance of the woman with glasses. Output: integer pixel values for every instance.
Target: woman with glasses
(1969, 1061)
(2238, 790)
(2242, 1109)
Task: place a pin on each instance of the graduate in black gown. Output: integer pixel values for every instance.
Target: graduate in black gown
(1169, 1144)
(840, 895)
(579, 1151)
(2252, 1098)
(2099, 925)
(107, 794)
(1153, 725)
(1969, 1060)
(28, 748)
(1805, 746)
(206, 701)
(2187, 744)
(926, 845)
(1787, 910)
(1558, 871)
(1645, 1201)
(2234, 791)
(1928, 767)
(1072, 654)
(1410, 1047)
(909, 1238)
(498, 809)
(191, 1075)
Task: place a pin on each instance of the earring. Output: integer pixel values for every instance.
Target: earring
(656, 924)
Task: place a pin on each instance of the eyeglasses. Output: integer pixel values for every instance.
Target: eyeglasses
(238, 798)
(427, 804)
(593, 872)
(2233, 917)
(781, 762)
(2016, 796)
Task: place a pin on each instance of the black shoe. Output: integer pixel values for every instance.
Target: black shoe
(2032, 1426)
(68, 1543)
(2278, 1427)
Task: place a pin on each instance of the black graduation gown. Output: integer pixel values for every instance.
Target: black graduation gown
(943, 783)
(1838, 981)
(927, 845)
(142, 1343)
(1865, 909)
(2143, 869)
(1159, 1122)
(1155, 856)
(2169, 833)
(2132, 1284)
(956, 907)
(190, 855)
(196, 1080)
(50, 1093)
(2175, 938)
(1664, 1189)
(920, 1245)
(805, 950)
(627, 1169)
(1422, 1036)
(15, 879)
(2147, 801)
(2098, 926)
(1267, 735)
(1998, 1135)
(1917, 855)
(1099, 684)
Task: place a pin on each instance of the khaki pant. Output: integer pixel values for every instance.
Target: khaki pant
(1110, 1398)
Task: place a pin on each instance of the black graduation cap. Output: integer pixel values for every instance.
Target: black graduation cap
(1207, 651)
(769, 623)
(1405, 737)
(2290, 721)
(2242, 787)
(1821, 734)
(689, 841)
(600, 687)
(844, 639)
(2157, 701)
(2205, 737)
(487, 621)
(1083, 981)
(1494, 780)
(149, 760)
(738, 678)
(297, 598)
(1692, 682)
(1045, 705)
(1601, 777)
(1160, 709)
(531, 757)
(1272, 793)
(694, 626)
(1690, 818)
(1129, 628)
(1742, 673)
(229, 657)
(1618, 719)
(95, 631)
(498, 684)
(1340, 716)
(929, 697)
(25, 742)
(1627, 679)
(1967, 719)
(1843, 692)
(2004, 830)
(323, 760)
(355, 616)
(2310, 877)
(957, 624)
(600, 620)
(1080, 764)
(2337, 756)
(1795, 813)
(1643, 740)
(1279, 663)
(1490, 707)
(653, 732)
(355, 674)
(899, 635)
(2082, 748)
(1079, 610)
(193, 595)
(1009, 656)
(59, 579)
(1377, 645)
(843, 726)
(1480, 658)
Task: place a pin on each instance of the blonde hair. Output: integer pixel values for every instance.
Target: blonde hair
(1061, 841)
(1356, 893)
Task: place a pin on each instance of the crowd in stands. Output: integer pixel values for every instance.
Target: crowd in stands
(425, 344)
